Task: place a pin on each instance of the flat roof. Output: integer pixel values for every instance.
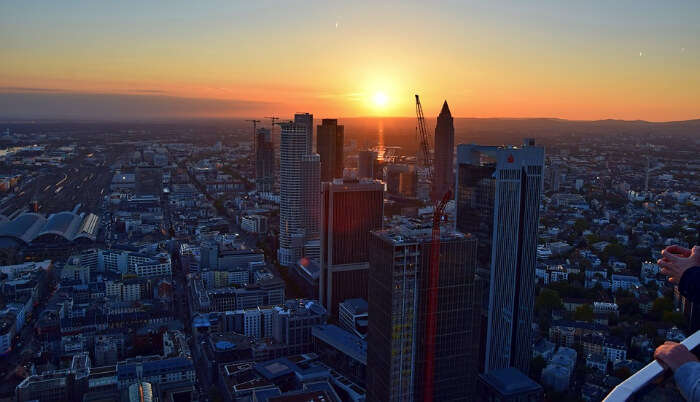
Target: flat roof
(344, 341)
(510, 381)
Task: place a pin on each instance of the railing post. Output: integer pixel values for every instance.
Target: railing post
(641, 378)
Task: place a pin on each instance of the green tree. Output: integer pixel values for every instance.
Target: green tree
(674, 317)
(547, 301)
(634, 263)
(536, 366)
(660, 306)
(614, 250)
(580, 225)
(584, 313)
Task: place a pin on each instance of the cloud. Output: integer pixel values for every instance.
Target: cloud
(148, 91)
(37, 104)
(28, 89)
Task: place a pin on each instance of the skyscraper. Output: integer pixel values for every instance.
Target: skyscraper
(398, 292)
(294, 146)
(264, 161)
(444, 153)
(350, 210)
(307, 120)
(498, 197)
(311, 195)
(366, 161)
(329, 144)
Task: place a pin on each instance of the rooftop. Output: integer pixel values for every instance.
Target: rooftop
(344, 341)
(510, 381)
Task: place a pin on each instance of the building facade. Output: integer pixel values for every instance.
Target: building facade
(329, 145)
(398, 292)
(498, 197)
(264, 161)
(311, 196)
(294, 138)
(366, 161)
(350, 210)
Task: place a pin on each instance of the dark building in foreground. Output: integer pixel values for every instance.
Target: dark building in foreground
(350, 210)
(329, 144)
(508, 385)
(498, 198)
(398, 292)
(444, 153)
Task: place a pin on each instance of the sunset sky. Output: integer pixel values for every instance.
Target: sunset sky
(139, 59)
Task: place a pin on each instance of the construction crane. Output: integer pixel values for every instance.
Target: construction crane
(434, 262)
(273, 119)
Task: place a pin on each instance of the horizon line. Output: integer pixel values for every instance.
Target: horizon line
(15, 120)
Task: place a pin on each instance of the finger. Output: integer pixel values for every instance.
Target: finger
(676, 249)
(670, 256)
(668, 265)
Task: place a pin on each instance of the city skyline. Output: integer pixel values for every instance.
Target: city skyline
(349, 201)
(627, 60)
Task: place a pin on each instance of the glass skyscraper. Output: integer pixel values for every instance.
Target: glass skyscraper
(498, 197)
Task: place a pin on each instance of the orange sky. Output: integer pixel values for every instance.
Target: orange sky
(632, 60)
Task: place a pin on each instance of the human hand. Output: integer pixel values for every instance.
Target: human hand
(673, 355)
(676, 260)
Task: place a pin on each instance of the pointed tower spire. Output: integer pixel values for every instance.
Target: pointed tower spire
(445, 109)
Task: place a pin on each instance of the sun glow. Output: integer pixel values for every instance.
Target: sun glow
(380, 99)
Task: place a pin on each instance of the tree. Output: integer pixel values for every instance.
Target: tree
(580, 225)
(547, 301)
(622, 373)
(614, 250)
(674, 317)
(536, 366)
(660, 306)
(584, 313)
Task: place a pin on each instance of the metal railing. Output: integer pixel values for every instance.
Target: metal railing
(625, 390)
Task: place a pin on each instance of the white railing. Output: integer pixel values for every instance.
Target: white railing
(641, 378)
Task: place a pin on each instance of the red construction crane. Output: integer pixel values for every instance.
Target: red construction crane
(434, 265)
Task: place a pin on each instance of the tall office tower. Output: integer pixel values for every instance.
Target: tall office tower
(350, 209)
(307, 120)
(444, 153)
(293, 147)
(365, 163)
(264, 161)
(498, 198)
(398, 293)
(329, 144)
(311, 195)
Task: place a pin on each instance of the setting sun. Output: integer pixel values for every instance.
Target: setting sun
(380, 99)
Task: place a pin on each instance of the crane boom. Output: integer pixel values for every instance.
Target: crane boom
(434, 262)
(423, 138)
